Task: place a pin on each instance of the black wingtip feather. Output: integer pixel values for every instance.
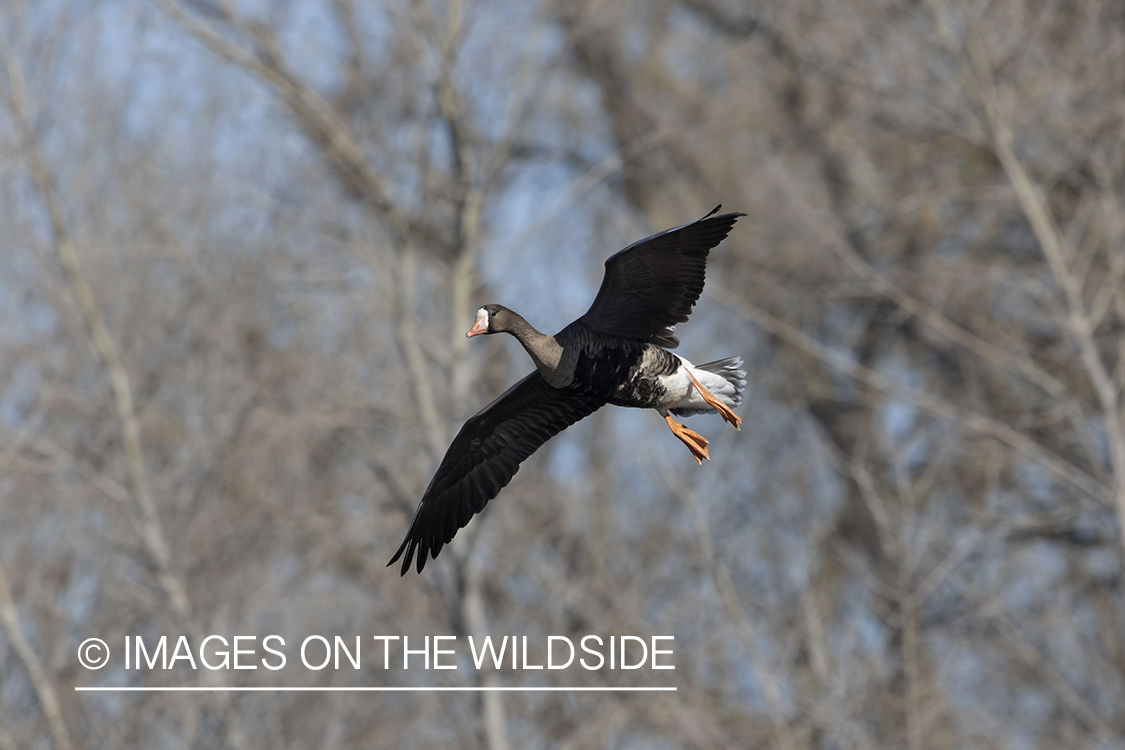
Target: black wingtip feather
(406, 543)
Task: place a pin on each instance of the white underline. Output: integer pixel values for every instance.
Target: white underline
(372, 689)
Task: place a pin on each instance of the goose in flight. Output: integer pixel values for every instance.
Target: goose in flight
(617, 353)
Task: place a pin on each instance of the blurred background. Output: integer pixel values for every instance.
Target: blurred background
(240, 244)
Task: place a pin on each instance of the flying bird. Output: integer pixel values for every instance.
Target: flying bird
(617, 353)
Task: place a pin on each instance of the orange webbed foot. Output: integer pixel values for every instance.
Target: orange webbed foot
(695, 442)
(724, 411)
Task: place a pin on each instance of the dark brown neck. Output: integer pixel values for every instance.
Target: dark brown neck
(543, 348)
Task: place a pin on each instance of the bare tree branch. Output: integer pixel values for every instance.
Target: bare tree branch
(9, 618)
(151, 530)
(979, 423)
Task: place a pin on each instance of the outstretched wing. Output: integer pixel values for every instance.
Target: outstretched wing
(484, 456)
(652, 285)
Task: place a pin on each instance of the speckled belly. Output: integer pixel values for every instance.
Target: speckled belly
(642, 392)
(627, 373)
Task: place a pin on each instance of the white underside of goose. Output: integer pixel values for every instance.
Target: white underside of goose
(687, 399)
(695, 390)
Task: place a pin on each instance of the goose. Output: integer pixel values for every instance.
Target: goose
(616, 353)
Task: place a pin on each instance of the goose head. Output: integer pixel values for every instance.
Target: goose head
(493, 319)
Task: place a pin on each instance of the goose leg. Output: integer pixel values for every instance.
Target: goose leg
(695, 442)
(724, 410)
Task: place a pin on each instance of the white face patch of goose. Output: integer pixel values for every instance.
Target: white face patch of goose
(482, 318)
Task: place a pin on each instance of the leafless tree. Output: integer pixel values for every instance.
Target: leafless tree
(241, 243)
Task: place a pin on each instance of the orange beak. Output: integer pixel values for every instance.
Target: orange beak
(479, 327)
